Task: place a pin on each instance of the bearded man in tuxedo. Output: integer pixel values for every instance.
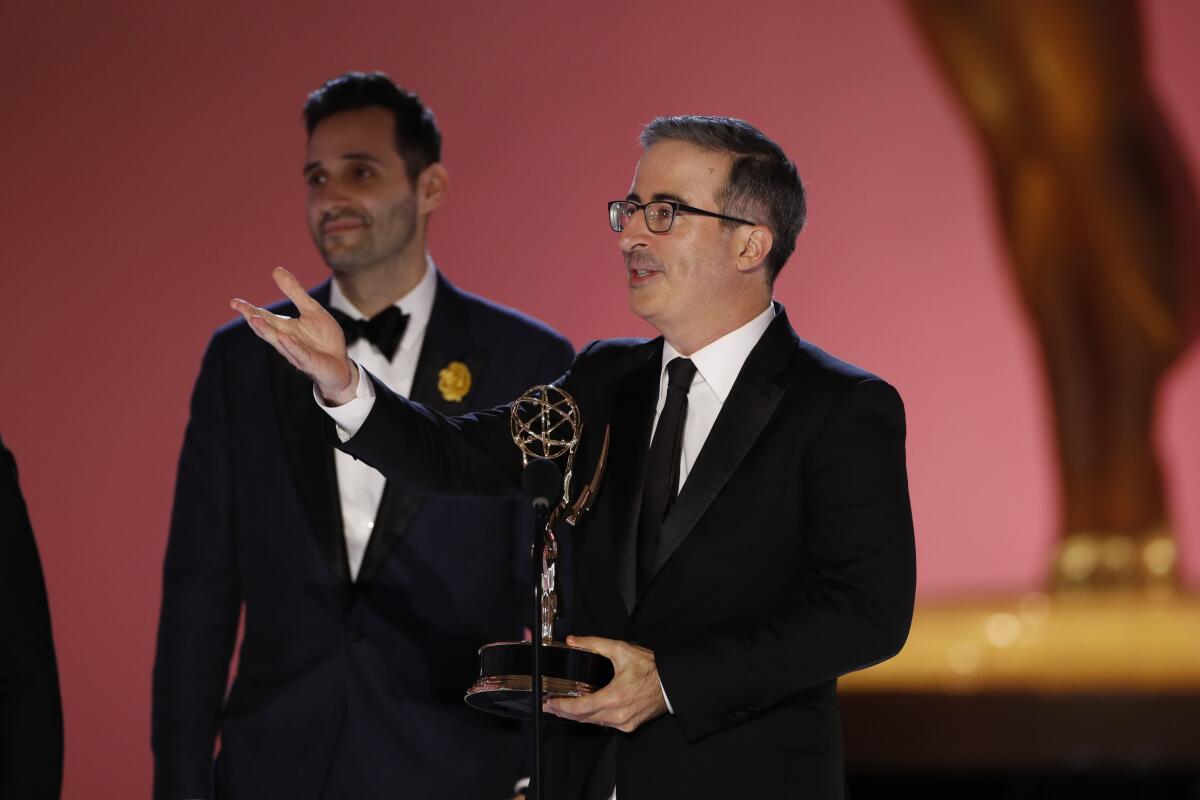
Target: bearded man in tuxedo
(363, 602)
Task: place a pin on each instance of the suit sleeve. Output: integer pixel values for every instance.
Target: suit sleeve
(852, 602)
(555, 362)
(201, 597)
(429, 453)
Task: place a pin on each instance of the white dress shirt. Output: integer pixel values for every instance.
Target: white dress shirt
(717, 366)
(360, 487)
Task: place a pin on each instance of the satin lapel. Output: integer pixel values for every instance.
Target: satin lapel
(446, 341)
(309, 455)
(632, 417)
(746, 411)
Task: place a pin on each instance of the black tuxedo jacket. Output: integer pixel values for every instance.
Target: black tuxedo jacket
(31, 722)
(343, 690)
(786, 561)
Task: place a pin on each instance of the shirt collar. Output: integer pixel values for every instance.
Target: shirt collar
(718, 363)
(417, 304)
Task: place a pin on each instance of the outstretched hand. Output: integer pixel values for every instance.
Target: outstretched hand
(632, 697)
(312, 343)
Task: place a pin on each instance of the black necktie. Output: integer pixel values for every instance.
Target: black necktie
(384, 330)
(662, 464)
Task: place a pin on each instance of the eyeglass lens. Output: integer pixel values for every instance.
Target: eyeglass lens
(659, 215)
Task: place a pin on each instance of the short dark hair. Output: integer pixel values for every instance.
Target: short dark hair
(763, 183)
(418, 139)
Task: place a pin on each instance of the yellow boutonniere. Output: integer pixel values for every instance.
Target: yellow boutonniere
(454, 381)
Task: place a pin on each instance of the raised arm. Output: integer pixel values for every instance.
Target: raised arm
(422, 450)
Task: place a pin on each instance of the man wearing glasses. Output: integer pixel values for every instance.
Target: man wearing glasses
(752, 540)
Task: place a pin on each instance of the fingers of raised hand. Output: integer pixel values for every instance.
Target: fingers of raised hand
(294, 291)
(248, 311)
(261, 321)
(276, 330)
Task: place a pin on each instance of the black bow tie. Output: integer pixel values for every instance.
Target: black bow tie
(384, 330)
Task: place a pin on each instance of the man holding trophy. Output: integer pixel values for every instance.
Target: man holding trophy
(751, 539)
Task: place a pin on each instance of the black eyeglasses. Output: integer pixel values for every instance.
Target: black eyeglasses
(660, 214)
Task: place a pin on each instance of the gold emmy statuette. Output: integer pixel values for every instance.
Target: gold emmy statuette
(545, 423)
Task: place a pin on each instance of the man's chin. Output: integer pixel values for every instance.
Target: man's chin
(641, 305)
(342, 259)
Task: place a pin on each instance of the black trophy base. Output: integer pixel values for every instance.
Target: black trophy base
(505, 684)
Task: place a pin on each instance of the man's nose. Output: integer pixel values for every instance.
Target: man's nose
(328, 199)
(634, 233)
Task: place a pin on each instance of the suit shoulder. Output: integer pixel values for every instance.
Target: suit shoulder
(602, 353)
(816, 368)
(509, 325)
(604, 361)
(812, 357)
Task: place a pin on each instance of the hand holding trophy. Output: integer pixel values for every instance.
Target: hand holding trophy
(546, 425)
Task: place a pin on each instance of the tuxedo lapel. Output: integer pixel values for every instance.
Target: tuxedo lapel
(447, 341)
(746, 411)
(632, 418)
(309, 455)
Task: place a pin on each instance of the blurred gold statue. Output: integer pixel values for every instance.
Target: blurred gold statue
(1098, 211)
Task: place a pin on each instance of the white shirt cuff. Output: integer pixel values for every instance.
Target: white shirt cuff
(666, 699)
(350, 416)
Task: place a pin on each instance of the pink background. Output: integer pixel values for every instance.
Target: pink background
(151, 171)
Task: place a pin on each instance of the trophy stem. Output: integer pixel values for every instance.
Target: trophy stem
(541, 513)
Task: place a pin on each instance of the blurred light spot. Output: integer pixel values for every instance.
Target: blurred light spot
(1159, 556)
(1079, 557)
(964, 657)
(1002, 630)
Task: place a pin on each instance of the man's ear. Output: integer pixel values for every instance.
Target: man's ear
(431, 188)
(755, 246)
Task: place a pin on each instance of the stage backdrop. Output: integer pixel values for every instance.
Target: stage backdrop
(152, 157)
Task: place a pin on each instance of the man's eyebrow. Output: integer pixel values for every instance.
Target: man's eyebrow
(668, 196)
(635, 197)
(360, 155)
(357, 155)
